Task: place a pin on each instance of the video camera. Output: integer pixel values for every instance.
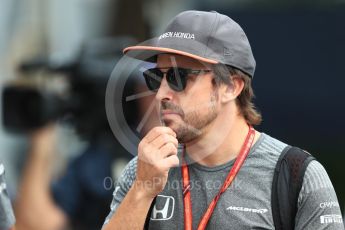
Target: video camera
(73, 91)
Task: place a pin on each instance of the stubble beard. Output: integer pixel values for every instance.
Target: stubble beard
(193, 123)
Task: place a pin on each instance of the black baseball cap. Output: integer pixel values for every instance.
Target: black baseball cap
(210, 37)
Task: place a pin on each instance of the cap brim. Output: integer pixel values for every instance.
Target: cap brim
(148, 53)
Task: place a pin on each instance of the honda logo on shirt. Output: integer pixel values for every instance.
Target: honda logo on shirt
(163, 208)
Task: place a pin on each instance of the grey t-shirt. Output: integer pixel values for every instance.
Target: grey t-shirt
(247, 202)
(6, 213)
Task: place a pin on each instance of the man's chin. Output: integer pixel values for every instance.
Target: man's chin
(175, 126)
(170, 120)
(182, 133)
(170, 123)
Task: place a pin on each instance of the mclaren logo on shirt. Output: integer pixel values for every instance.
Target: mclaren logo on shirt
(243, 209)
(163, 208)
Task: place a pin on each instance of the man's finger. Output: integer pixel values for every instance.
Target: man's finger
(171, 161)
(155, 132)
(168, 150)
(163, 139)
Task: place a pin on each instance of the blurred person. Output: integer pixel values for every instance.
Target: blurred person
(7, 219)
(79, 197)
(44, 203)
(203, 88)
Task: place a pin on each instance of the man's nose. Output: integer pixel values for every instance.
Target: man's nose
(164, 91)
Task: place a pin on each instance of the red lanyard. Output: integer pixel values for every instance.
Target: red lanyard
(232, 174)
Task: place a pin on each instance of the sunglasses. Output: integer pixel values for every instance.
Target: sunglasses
(175, 76)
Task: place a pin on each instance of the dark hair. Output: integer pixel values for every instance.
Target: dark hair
(224, 74)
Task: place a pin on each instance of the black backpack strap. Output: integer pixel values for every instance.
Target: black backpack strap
(148, 216)
(286, 185)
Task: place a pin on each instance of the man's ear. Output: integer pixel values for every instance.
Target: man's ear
(231, 92)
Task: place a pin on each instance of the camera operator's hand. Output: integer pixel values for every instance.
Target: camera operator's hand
(34, 188)
(43, 140)
(157, 153)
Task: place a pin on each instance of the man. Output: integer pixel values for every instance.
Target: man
(6, 214)
(203, 88)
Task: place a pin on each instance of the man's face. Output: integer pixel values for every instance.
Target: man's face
(189, 112)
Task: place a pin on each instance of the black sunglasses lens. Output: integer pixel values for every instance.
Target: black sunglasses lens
(153, 78)
(177, 78)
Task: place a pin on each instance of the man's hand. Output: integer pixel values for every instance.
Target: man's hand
(157, 153)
